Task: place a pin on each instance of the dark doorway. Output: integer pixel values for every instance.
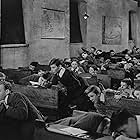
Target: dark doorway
(12, 26)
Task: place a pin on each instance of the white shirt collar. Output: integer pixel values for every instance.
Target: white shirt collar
(61, 72)
(6, 99)
(75, 69)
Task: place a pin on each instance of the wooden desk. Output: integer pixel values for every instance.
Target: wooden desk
(46, 100)
(40, 97)
(105, 80)
(89, 79)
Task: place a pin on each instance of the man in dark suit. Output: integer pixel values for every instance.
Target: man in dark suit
(74, 85)
(17, 114)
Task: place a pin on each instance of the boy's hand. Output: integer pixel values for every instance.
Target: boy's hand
(121, 137)
(117, 97)
(2, 101)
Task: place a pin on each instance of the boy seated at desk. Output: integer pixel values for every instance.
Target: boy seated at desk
(17, 114)
(38, 80)
(34, 77)
(124, 91)
(43, 80)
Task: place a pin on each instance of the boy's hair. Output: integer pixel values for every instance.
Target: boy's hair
(119, 118)
(128, 81)
(34, 64)
(55, 61)
(112, 51)
(2, 75)
(75, 60)
(93, 48)
(46, 75)
(67, 60)
(7, 85)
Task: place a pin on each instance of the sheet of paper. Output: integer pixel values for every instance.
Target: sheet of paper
(34, 83)
(73, 131)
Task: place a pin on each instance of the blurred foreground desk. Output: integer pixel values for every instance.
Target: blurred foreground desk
(60, 132)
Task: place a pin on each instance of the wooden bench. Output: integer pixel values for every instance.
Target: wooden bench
(93, 79)
(16, 74)
(111, 104)
(89, 79)
(105, 80)
(116, 73)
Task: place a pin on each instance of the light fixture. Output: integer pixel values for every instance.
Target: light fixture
(86, 15)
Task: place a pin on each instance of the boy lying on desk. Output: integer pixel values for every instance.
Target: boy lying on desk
(42, 80)
(92, 122)
(122, 125)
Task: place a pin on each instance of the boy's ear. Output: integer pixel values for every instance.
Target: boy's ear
(7, 91)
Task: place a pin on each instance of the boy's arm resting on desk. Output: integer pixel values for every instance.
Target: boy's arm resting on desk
(121, 137)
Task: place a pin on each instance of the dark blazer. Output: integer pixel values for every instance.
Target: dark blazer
(18, 119)
(71, 82)
(21, 108)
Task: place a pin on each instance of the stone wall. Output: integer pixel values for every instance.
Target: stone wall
(14, 56)
(110, 8)
(138, 27)
(42, 50)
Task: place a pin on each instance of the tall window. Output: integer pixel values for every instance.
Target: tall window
(12, 27)
(132, 25)
(75, 32)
